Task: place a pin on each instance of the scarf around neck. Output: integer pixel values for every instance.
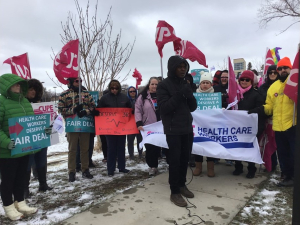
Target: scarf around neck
(209, 90)
(243, 90)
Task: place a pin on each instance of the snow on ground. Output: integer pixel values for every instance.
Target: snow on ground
(67, 199)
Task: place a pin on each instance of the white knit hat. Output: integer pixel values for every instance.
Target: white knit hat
(205, 76)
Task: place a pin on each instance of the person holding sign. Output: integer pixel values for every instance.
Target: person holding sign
(249, 100)
(13, 169)
(146, 112)
(176, 102)
(205, 86)
(69, 106)
(115, 143)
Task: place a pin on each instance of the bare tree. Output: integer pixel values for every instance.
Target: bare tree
(278, 9)
(223, 65)
(258, 64)
(102, 56)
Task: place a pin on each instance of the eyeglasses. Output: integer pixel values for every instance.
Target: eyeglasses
(77, 81)
(131, 91)
(284, 67)
(114, 88)
(244, 79)
(224, 77)
(275, 73)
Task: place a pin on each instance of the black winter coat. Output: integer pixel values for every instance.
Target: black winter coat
(224, 95)
(175, 108)
(253, 99)
(110, 100)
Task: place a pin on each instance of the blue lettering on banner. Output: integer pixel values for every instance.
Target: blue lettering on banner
(226, 145)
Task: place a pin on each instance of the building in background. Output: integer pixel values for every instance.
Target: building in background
(239, 65)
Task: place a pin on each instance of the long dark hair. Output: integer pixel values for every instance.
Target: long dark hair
(145, 90)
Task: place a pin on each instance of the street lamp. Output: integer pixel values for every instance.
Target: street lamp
(55, 94)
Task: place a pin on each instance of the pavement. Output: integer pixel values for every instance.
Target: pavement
(217, 201)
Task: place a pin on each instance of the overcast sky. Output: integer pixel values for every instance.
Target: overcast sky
(218, 28)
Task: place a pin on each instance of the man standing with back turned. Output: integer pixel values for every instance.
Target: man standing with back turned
(176, 102)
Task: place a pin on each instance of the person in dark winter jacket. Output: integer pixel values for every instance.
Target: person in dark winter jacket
(223, 87)
(216, 79)
(176, 102)
(13, 103)
(132, 96)
(115, 143)
(146, 112)
(249, 99)
(34, 95)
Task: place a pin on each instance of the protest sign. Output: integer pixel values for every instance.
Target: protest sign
(196, 75)
(95, 95)
(207, 101)
(225, 134)
(47, 107)
(115, 121)
(58, 124)
(28, 133)
(76, 124)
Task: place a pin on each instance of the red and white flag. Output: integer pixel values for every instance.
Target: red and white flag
(164, 33)
(66, 62)
(291, 87)
(189, 51)
(268, 61)
(138, 76)
(232, 85)
(20, 66)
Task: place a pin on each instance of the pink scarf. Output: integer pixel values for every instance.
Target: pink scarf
(243, 90)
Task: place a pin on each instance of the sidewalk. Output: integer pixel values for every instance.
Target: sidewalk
(217, 199)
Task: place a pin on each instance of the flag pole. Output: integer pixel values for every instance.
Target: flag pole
(296, 199)
(161, 68)
(264, 76)
(78, 63)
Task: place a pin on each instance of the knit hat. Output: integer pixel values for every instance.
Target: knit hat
(272, 67)
(247, 74)
(284, 62)
(206, 76)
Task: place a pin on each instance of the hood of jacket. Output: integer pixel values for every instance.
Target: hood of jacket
(173, 63)
(39, 90)
(8, 80)
(129, 95)
(116, 82)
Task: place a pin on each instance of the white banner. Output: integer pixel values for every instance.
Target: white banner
(225, 134)
(43, 108)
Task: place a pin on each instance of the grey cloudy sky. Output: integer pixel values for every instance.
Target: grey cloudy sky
(218, 28)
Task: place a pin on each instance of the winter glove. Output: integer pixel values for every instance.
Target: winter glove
(11, 144)
(256, 110)
(78, 108)
(186, 90)
(95, 112)
(48, 130)
(82, 113)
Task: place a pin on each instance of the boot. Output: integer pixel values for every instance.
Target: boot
(238, 168)
(43, 179)
(198, 169)
(27, 194)
(12, 213)
(178, 200)
(22, 207)
(210, 169)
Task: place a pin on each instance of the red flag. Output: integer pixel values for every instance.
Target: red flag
(268, 61)
(164, 33)
(20, 66)
(138, 76)
(66, 62)
(291, 87)
(189, 51)
(232, 85)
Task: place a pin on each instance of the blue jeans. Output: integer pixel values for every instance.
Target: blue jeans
(115, 148)
(39, 159)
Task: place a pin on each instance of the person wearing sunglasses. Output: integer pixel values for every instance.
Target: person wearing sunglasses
(115, 143)
(69, 106)
(282, 108)
(249, 99)
(205, 86)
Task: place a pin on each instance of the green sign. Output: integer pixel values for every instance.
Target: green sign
(196, 75)
(95, 95)
(84, 124)
(207, 101)
(28, 133)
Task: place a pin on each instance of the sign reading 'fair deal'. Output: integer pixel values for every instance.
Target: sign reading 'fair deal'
(207, 101)
(84, 124)
(115, 121)
(28, 133)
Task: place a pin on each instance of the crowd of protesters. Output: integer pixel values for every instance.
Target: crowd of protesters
(170, 100)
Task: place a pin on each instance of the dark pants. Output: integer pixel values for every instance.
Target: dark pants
(130, 143)
(104, 145)
(179, 150)
(13, 172)
(115, 148)
(199, 158)
(285, 142)
(38, 159)
(91, 149)
(152, 155)
(139, 139)
(251, 166)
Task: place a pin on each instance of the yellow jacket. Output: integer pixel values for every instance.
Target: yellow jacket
(280, 106)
